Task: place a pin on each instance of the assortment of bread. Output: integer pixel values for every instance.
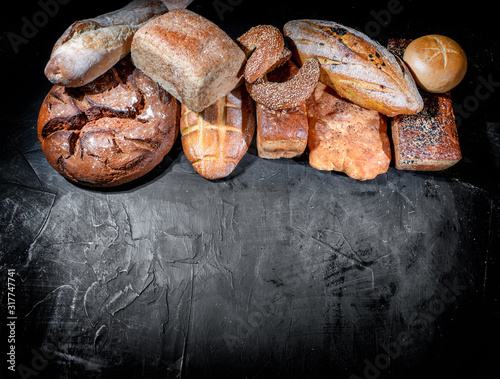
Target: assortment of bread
(320, 88)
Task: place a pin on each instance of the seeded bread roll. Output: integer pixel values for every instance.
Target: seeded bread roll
(355, 66)
(191, 57)
(111, 131)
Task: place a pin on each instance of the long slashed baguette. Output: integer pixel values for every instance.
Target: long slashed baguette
(355, 66)
(88, 48)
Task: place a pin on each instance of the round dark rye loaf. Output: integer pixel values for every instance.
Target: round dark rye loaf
(111, 131)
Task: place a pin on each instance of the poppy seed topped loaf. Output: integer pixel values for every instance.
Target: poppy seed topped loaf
(427, 141)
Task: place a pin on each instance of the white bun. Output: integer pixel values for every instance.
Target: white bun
(437, 62)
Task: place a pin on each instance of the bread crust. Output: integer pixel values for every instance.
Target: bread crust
(111, 131)
(437, 62)
(427, 141)
(88, 48)
(216, 139)
(282, 133)
(346, 137)
(263, 45)
(355, 66)
(191, 57)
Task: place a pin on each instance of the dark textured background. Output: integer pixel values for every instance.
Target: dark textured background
(277, 271)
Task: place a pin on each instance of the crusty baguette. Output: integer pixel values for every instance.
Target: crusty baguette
(355, 66)
(190, 56)
(346, 137)
(216, 139)
(427, 141)
(88, 48)
(281, 133)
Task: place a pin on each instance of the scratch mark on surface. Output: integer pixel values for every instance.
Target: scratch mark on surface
(403, 196)
(89, 365)
(272, 175)
(330, 247)
(488, 248)
(65, 286)
(42, 228)
(186, 338)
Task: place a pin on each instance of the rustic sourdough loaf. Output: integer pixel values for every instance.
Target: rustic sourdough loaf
(110, 131)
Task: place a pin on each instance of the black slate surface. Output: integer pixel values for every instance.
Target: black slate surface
(279, 270)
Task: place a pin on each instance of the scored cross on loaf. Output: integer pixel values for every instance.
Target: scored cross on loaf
(215, 139)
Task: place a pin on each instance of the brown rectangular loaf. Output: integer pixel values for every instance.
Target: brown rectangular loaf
(282, 133)
(346, 137)
(427, 141)
(189, 56)
(215, 140)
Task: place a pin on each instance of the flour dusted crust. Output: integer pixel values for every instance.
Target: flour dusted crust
(191, 57)
(357, 67)
(111, 131)
(88, 48)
